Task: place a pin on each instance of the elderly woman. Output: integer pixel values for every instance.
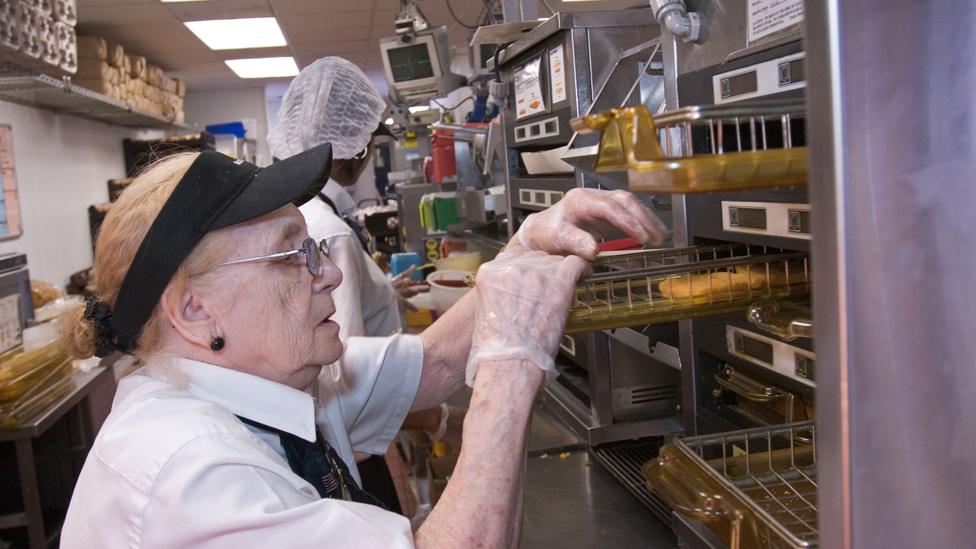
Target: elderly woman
(332, 101)
(204, 270)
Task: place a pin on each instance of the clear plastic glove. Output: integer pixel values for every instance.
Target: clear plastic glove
(575, 223)
(523, 301)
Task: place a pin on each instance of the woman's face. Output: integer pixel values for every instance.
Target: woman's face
(274, 315)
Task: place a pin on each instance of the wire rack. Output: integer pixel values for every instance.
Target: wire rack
(624, 461)
(703, 148)
(754, 488)
(657, 286)
(60, 95)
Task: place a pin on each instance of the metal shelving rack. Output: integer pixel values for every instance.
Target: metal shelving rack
(60, 95)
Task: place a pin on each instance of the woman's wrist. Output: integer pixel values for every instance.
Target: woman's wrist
(511, 374)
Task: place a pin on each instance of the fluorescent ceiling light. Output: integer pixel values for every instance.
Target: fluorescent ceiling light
(419, 108)
(236, 34)
(263, 67)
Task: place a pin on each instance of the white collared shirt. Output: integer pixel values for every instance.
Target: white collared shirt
(173, 467)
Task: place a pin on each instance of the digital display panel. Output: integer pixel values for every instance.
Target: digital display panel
(410, 63)
(804, 367)
(792, 72)
(799, 221)
(747, 218)
(756, 349)
(740, 84)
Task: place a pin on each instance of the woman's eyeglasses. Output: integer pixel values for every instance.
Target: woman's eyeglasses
(312, 251)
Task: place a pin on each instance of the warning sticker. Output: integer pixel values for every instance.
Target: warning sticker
(769, 16)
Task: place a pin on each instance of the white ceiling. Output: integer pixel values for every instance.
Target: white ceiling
(313, 28)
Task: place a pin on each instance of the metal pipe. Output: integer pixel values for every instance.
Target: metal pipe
(458, 128)
(674, 16)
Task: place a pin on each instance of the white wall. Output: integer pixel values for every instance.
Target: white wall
(62, 164)
(245, 104)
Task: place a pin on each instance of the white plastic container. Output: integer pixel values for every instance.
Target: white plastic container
(447, 287)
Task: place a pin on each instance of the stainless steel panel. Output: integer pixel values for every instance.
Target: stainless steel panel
(892, 150)
(723, 35)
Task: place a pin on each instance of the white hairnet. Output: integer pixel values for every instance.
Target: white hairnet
(330, 101)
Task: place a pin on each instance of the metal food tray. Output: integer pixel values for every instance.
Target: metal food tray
(748, 146)
(755, 488)
(658, 286)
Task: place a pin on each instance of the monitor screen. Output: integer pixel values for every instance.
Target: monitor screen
(410, 63)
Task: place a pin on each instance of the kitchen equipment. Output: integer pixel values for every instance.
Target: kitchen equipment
(754, 488)
(558, 70)
(720, 147)
(652, 287)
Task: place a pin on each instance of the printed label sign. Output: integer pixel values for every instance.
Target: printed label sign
(557, 74)
(769, 16)
(528, 90)
(10, 328)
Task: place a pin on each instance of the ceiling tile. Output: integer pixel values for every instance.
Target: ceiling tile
(384, 18)
(321, 36)
(251, 53)
(333, 48)
(357, 19)
(174, 32)
(219, 9)
(299, 7)
(394, 5)
(124, 14)
(85, 4)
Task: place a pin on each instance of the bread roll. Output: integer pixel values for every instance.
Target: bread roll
(116, 56)
(721, 283)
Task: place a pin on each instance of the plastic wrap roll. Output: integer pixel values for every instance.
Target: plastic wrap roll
(92, 47)
(49, 41)
(28, 19)
(9, 28)
(137, 66)
(116, 56)
(67, 46)
(45, 7)
(66, 11)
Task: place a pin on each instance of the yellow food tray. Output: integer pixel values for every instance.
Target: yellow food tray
(19, 371)
(48, 390)
(657, 152)
(755, 488)
(658, 286)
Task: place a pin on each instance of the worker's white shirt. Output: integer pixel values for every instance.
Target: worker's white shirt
(366, 304)
(173, 467)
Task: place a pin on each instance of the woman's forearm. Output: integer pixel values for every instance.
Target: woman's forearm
(447, 343)
(482, 504)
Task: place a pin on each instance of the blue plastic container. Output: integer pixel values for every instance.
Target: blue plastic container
(402, 261)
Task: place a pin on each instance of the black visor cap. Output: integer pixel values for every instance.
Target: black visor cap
(216, 192)
(295, 180)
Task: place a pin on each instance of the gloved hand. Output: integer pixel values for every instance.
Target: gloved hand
(523, 301)
(573, 225)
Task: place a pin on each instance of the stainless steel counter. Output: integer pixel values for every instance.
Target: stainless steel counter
(574, 502)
